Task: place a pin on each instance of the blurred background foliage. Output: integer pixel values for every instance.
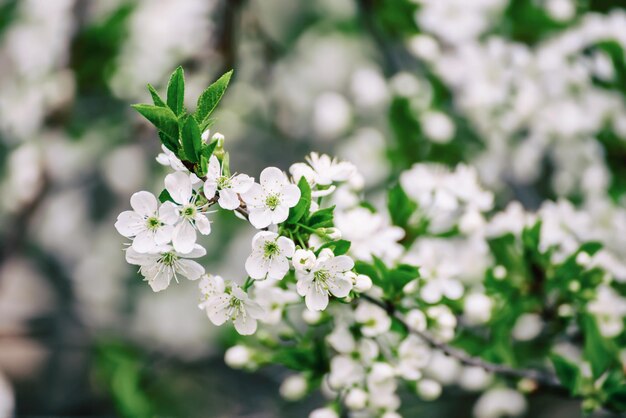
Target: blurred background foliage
(79, 332)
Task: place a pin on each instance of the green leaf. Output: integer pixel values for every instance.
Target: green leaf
(597, 350)
(400, 206)
(207, 150)
(165, 196)
(192, 140)
(208, 100)
(155, 97)
(176, 91)
(163, 118)
(567, 372)
(304, 204)
(170, 143)
(322, 218)
(338, 247)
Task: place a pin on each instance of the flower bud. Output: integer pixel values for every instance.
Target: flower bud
(237, 356)
(294, 387)
(428, 389)
(323, 413)
(332, 234)
(356, 399)
(416, 320)
(303, 260)
(411, 287)
(311, 317)
(205, 136)
(219, 147)
(362, 283)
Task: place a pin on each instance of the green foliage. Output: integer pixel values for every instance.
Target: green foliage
(568, 373)
(192, 140)
(303, 206)
(164, 196)
(176, 91)
(400, 207)
(209, 99)
(598, 351)
(120, 368)
(322, 218)
(338, 247)
(156, 99)
(391, 280)
(161, 117)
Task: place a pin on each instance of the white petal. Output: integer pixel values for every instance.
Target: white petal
(178, 186)
(245, 325)
(303, 286)
(140, 259)
(229, 200)
(316, 300)
(431, 293)
(198, 251)
(161, 280)
(184, 237)
(202, 223)
(130, 223)
(272, 180)
(341, 263)
(168, 213)
(287, 247)
(256, 266)
(453, 289)
(258, 241)
(255, 196)
(144, 242)
(163, 235)
(241, 183)
(217, 308)
(210, 187)
(280, 214)
(144, 203)
(214, 171)
(290, 194)
(254, 309)
(190, 269)
(340, 287)
(260, 218)
(278, 268)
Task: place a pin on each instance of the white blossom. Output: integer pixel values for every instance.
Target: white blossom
(228, 187)
(327, 276)
(179, 186)
(234, 304)
(160, 267)
(270, 254)
(269, 201)
(150, 226)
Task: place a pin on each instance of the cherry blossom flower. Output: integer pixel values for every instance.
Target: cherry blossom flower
(160, 267)
(269, 258)
(269, 201)
(322, 170)
(150, 226)
(179, 186)
(228, 187)
(235, 305)
(327, 276)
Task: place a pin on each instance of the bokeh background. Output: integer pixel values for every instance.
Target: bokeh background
(529, 91)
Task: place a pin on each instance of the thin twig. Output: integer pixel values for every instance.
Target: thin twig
(542, 378)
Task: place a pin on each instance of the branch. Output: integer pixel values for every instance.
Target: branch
(544, 379)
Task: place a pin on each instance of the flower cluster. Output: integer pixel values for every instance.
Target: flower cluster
(357, 298)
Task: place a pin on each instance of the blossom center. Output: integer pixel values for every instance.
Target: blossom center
(153, 223)
(272, 201)
(189, 212)
(168, 259)
(223, 182)
(270, 249)
(321, 276)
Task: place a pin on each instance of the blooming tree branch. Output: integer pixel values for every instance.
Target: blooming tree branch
(377, 302)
